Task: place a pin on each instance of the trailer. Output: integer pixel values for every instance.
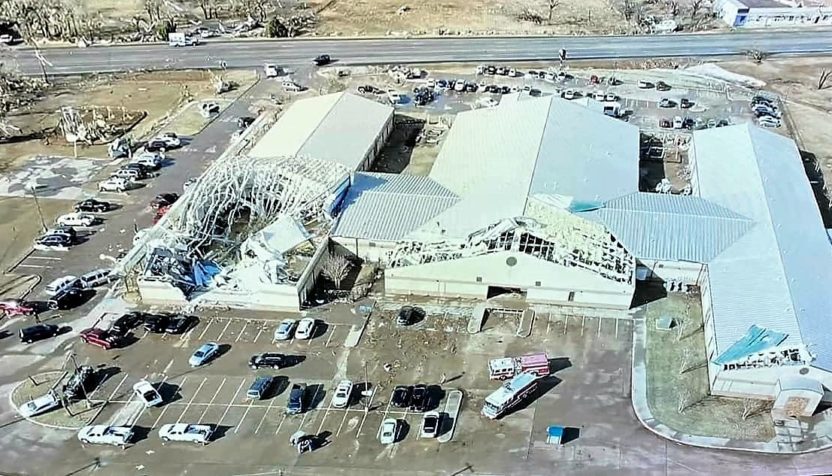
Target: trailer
(507, 367)
(509, 394)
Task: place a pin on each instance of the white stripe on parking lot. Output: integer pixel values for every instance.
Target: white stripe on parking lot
(224, 329)
(240, 423)
(191, 400)
(212, 401)
(302, 420)
(241, 332)
(114, 390)
(231, 402)
(280, 424)
(366, 412)
(259, 332)
(53, 258)
(210, 321)
(271, 402)
(31, 266)
(165, 409)
(328, 408)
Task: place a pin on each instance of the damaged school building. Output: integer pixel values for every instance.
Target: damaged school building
(537, 197)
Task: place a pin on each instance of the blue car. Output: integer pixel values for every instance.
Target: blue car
(205, 353)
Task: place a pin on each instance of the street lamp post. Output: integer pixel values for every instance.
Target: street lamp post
(33, 187)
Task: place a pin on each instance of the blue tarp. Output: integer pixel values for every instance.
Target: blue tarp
(584, 206)
(204, 272)
(757, 339)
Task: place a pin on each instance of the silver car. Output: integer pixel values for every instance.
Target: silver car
(285, 330)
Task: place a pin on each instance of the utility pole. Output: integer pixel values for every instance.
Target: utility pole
(33, 187)
(42, 61)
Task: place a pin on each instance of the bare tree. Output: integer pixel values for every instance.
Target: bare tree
(336, 268)
(209, 8)
(153, 8)
(695, 7)
(672, 7)
(825, 74)
(552, 4)
(685, 399)
(680, 327)
(687, 358)
(752, 407)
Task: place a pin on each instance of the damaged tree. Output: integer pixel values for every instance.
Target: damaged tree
(752, 407)
(551, 4)
(15, 91)
(336, 268)
(824, 77)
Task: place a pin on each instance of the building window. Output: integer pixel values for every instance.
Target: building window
(371, 244)
(537, 283)
(571, 297)
(479, 279)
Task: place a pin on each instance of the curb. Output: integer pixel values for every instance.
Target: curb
(645, 416)
(32, 420)
(456, 393)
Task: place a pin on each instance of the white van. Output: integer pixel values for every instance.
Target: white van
(61, 284)
(292, 86)
(95, 278)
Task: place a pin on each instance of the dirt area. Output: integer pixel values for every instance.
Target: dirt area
(412, 147)
(76, 416)
(157, 94)
(461, 17)
(808, 112)
(19, 224)
(677, 377)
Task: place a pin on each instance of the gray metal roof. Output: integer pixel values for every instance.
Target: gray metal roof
(340, 128)
(585, 155)
(656, 226)
(387, 207)
(776, 275)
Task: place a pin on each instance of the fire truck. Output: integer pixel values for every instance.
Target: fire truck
(509, 394)
(507, 367)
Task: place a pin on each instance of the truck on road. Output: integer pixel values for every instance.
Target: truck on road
(509, 394)
(181, 39)
(507, 367)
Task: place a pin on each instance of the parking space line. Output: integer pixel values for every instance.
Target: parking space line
(384, 417)
(262, 327)
(210, 321)
(245, 323)
(204, 379)
(31, 266)
(114, 391)
(187, 335)
(583, 321)
(240, 423)
(599, 327)
(224, 329)
(565, 323)
(211, 402)
(346, 412)
(54, 258)
(271, 402)
(232, 401)
(331, 333)
(616, 328)
(366, 412)
(326, 413)
(302, 420)
(164, 410)
(280, 424)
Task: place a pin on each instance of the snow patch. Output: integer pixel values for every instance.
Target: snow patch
(715, 71)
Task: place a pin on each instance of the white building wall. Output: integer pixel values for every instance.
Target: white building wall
(736, 14)
(161, 293)
(543, 281)
(762, 382)
(681, 271)
(368, 250)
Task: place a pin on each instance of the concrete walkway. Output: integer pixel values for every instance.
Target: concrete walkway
(795, 437)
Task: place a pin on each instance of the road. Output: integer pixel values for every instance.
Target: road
(246, 54)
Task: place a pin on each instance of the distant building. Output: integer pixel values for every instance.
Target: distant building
(766, 13)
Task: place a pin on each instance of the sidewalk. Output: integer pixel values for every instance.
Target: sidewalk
(795, 437)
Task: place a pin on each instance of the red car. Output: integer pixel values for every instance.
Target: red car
(99, 337)
(160, 212)
(16, 307)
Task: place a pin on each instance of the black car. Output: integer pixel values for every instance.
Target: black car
(505, 90)
(296, 397)
(178, 324)
(401, 396)
(37, 332)
(92, 205)
(662, 86)
(54, 239)
(143, 170)
(156, 323)
(271, 360)
(409, 315)
(81, 382)
(127, 322)
(368, 89)
(419, 398)
(321, 60)
(156, 146)
(685, 103)
(68, 298)
(164, 200)
(244, 121)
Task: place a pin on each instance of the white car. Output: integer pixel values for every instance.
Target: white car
(113, 184)
(487, 102)
(394, 96)
(105, 435)
(205, 353)
(76, 219)
(6, 39)
(147, 393)
(598, 95)
(285, 330)
(569, 94)
(342, 394)
(389, 431)
(148, 159)
(306, 328)
(39, 405)
(459, 86)
(170, 139)
(769, 121)
(678, 122)
(272, 71)
(191, 433)
(430, 425)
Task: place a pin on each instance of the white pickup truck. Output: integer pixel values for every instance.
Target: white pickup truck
(186, 432)
(105, 435)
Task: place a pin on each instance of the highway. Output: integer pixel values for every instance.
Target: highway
(254, 53)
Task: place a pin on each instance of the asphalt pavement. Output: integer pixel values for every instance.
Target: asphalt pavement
(254, 53)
